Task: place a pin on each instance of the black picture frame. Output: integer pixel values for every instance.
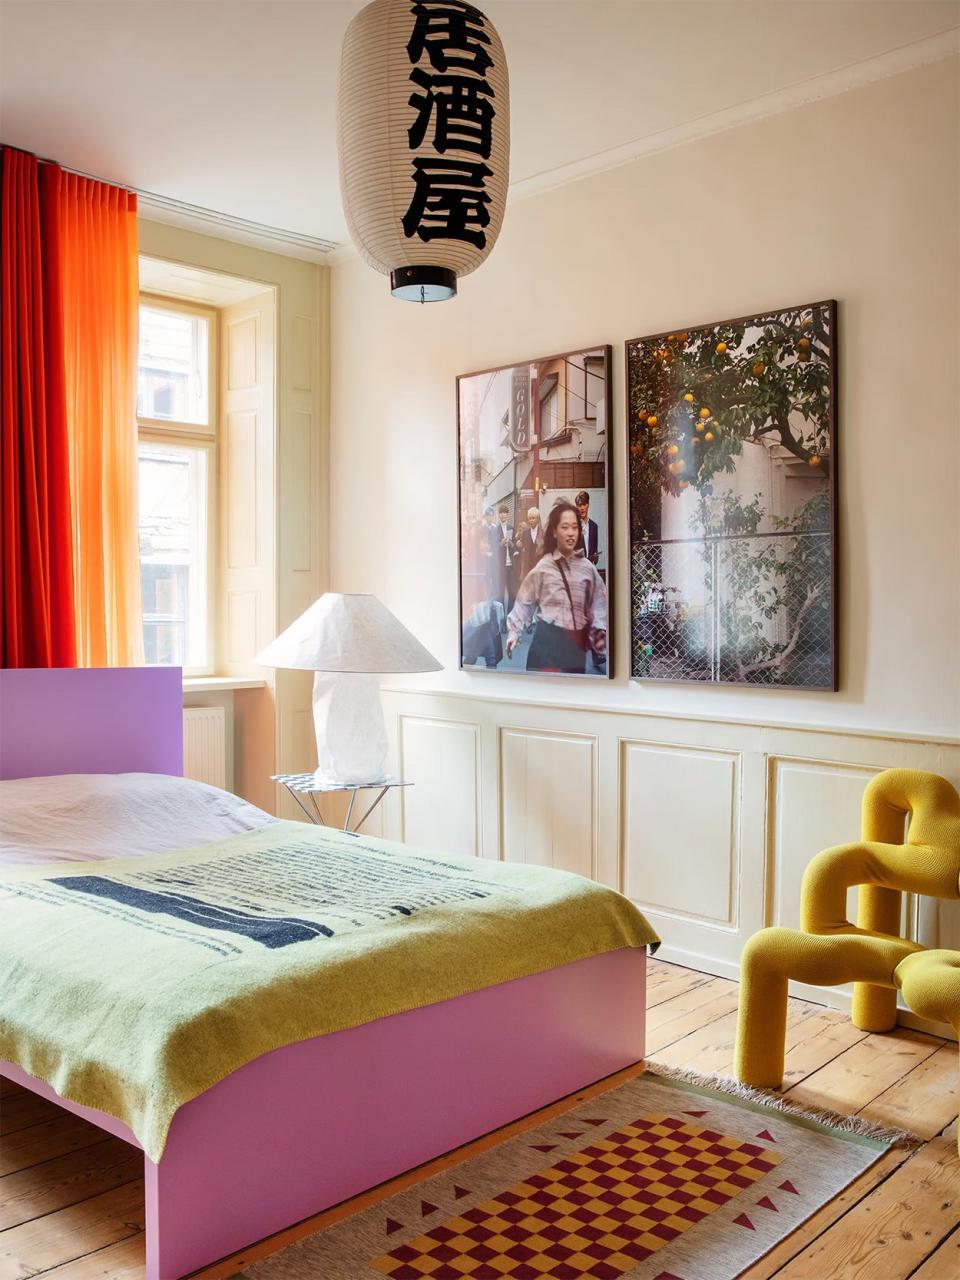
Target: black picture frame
(553, 448)
(734, 580)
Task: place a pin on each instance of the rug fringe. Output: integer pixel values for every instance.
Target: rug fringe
(855, 1125)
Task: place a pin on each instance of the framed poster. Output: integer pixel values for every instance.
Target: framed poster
(534, 508)
(731, 432)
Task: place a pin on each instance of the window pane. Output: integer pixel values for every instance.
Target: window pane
(173, 554)
(172, 366)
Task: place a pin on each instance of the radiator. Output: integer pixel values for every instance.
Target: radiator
(204, 745)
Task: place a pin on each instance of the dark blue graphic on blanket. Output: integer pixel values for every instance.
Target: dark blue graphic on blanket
(269, 931)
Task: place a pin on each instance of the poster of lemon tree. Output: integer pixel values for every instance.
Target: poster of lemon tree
(732, 469)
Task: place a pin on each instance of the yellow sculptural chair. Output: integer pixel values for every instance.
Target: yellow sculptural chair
(828, 950)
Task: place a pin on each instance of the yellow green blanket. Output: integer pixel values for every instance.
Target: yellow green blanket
(133, 985)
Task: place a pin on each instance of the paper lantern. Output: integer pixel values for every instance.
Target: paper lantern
(424, 141)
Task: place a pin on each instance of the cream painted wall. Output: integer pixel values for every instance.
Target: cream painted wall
(854, 197)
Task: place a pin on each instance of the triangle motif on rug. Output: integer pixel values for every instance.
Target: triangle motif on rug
(743, 1221)
(459, 1192)
(766, 1135)
(543, 1147)
(766, 1203)
(695, 1113)
(393, 1225)
(586, 1121)
(788, 1186)
(426, 1208)
(571, 1135)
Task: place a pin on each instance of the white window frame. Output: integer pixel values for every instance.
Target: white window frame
(197, 436)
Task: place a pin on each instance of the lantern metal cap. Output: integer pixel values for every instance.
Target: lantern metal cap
(423, 284)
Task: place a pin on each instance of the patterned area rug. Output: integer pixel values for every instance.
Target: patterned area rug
(656, 1179)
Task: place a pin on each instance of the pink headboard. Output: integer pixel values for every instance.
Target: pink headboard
(90, 720)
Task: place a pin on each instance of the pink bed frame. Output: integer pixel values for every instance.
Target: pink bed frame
(311, 1124)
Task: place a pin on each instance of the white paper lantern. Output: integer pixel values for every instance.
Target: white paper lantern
(424, 141)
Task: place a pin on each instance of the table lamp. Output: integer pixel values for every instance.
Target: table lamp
(348, 641)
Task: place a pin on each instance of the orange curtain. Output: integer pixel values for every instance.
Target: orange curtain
(99, 271)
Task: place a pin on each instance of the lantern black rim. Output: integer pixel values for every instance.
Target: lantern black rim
(423, 284)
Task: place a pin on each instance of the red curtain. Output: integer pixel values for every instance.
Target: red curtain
(37, 624)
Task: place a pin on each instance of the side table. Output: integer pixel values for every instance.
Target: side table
(306, 791)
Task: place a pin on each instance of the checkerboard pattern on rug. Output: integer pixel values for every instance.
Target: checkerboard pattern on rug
(597, 1213)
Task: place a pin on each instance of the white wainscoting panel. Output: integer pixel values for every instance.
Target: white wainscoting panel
(814, 805)
(708, 825)
(442, 810)
(680, 831)
(548, 799)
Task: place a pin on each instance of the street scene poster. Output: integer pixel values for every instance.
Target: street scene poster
(535, 516)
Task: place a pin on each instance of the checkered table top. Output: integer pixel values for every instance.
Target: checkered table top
(306, 783)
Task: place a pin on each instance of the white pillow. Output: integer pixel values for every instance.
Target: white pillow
(80, 817)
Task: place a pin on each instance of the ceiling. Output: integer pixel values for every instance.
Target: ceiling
(229, 104)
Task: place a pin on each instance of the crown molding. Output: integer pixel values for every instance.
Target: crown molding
(817, 88)
(226, 226)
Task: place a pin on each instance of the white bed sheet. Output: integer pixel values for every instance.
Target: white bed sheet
(86, 817)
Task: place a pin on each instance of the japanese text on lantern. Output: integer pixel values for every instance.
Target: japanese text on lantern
(454, 112)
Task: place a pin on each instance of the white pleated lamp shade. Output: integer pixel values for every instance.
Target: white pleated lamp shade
(424, 141)
(348, 633)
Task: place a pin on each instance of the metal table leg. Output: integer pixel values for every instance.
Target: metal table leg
(353, 800)
(383, 792)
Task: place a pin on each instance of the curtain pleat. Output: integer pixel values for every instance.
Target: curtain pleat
(36, 552)
(98, 243)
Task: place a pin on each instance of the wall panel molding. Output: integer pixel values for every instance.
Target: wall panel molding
(548, 799)
(707, 824)
(442, 759)
(680, 831)
(812, 805)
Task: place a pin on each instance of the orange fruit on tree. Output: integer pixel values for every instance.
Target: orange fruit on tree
(814, 460)
(673, 450)
(708, 437)
(699, 426)
(704, 412)
(803, 356)
(652, 420)
(688, 396)
(803, 343)
(759, 368)
(721, 348)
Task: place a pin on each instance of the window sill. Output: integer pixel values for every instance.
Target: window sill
(218, 684)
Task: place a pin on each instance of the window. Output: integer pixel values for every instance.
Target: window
(174, 367)
(176, 420)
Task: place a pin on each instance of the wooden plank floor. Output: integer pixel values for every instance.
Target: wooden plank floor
(71, 1200)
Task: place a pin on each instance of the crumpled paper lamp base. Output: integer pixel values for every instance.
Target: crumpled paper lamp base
(350, 728)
